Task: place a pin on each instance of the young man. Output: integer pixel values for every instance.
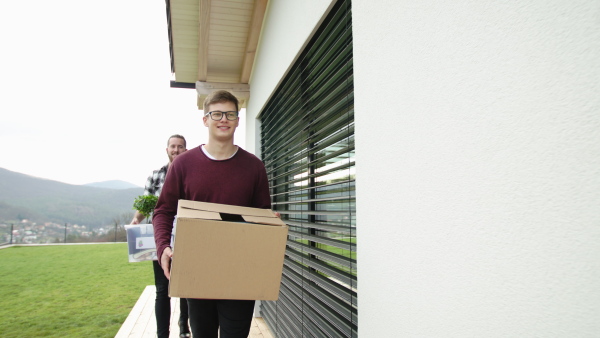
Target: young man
(216, 172)
(176, 145)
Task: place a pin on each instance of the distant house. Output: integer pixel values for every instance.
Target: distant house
(437, 162)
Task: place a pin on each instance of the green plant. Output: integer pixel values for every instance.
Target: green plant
(145, 204)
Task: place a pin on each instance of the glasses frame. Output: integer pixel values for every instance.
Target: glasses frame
(224, 114)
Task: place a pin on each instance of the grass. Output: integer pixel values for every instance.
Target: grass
(68, 291)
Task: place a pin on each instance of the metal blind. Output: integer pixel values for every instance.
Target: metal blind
(308, 150)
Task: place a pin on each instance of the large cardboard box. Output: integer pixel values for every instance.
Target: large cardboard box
(227, 252)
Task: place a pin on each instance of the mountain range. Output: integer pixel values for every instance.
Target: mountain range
(41, 200)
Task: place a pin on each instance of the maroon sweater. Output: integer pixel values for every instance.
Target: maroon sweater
(240, 180)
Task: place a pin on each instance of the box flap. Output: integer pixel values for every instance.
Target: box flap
(215, 211)
(263, 220)
(193, 213)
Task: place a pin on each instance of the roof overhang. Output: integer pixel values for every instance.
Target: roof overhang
(213, 44)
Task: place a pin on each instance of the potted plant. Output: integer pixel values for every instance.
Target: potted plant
(145, 204)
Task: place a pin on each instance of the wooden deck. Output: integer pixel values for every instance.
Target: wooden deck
(142, 323)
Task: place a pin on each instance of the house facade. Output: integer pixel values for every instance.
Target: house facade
(437, 162)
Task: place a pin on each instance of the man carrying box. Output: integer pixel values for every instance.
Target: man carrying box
(216, 172)
(176, 145)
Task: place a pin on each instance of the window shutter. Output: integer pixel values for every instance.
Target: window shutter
(308, 150)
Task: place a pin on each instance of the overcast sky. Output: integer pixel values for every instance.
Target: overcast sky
(85, 91)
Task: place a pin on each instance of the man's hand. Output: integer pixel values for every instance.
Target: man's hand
(137, 218)
(165, 262)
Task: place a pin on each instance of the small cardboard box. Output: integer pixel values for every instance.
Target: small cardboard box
(140, 241)
(227, 252)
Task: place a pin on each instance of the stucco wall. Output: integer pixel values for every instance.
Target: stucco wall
(286, 29)
(478, 168)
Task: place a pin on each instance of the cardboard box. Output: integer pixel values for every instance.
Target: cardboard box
(227, 252)
(140, 241)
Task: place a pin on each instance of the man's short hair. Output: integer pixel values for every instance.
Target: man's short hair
(220, 96)
(177, 136)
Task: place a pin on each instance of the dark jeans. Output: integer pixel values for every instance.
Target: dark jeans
(233, 316)
(162, 304)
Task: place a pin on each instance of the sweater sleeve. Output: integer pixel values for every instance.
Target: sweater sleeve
(165, 211)
(262, 198)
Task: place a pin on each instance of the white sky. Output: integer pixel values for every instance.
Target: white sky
(85, 93)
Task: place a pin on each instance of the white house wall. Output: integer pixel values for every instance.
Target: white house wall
(478, 168)
(286, 29)
(477, 159)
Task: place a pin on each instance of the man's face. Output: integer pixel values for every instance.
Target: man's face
(223, 129)
(176, 146)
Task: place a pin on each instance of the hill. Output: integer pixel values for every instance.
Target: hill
(114, 184)
(41, 200)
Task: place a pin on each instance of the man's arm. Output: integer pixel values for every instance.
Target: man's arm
(164, 214)
(262, 197)
(137, 218)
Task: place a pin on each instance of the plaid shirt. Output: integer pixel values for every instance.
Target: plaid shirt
(155, 181)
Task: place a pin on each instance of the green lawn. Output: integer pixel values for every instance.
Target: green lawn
(68, 291)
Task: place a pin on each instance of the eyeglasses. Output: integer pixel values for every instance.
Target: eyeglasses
(218, 115)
